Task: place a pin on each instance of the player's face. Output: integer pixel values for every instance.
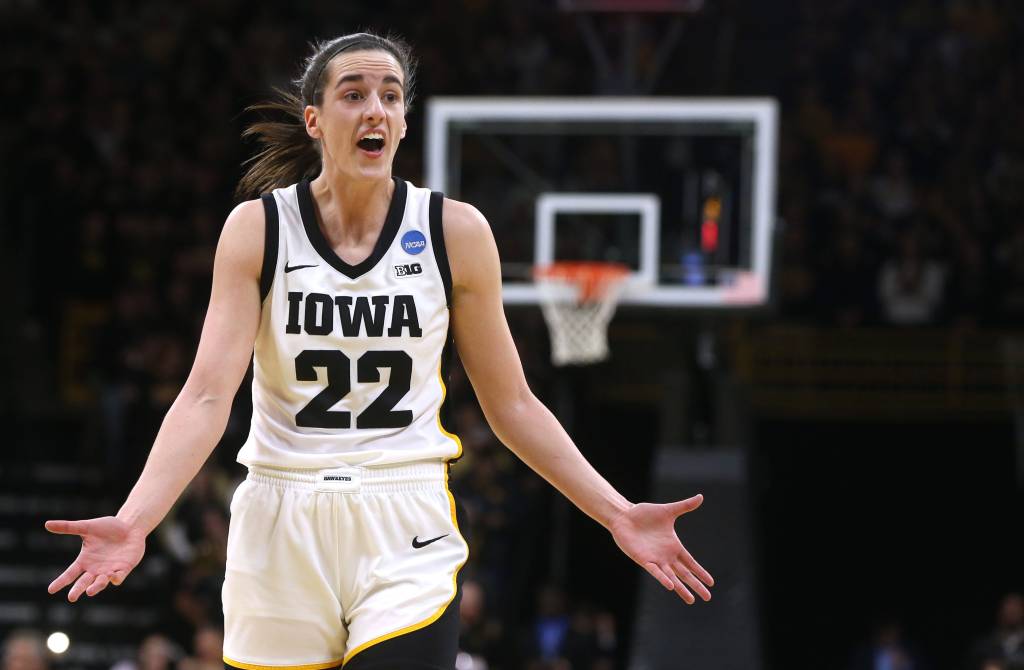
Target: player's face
(361, 119)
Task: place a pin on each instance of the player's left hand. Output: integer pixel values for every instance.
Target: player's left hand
(646, 533)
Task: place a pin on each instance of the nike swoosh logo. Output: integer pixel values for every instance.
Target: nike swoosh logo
(297, 267)
(416, 544)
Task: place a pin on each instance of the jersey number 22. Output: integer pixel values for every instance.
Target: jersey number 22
(380, 413)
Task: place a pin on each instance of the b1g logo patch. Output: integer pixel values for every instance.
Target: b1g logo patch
(414, 242)
(408, 270)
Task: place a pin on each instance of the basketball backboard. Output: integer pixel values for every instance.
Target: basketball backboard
(681, 189)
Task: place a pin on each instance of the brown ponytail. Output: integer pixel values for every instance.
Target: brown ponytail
(288, 154)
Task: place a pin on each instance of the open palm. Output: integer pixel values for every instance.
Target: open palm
(646, 533)
(110, 550)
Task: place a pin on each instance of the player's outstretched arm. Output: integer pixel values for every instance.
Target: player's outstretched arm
(645, 532)
(112, 546)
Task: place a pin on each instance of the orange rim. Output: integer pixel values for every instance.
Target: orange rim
(593, 278)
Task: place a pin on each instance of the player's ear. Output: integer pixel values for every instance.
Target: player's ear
(404, 126)
(310, 116)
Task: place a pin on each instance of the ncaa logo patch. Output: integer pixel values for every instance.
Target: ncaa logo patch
(414, 242)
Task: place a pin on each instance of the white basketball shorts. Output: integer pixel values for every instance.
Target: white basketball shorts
(323, 565)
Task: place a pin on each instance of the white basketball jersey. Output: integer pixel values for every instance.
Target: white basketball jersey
(350, 360)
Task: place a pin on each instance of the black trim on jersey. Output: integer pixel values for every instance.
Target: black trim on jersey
(270, 240)
(392, 222)
(435, 213)
(437, 241)
(444, 412)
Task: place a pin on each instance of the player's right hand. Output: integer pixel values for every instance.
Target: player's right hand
(110, 550)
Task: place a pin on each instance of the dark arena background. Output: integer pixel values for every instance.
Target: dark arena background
(858, 432)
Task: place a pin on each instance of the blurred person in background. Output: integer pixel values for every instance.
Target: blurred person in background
(284, 601)
(1005, 642)
(591, 641)
(847, 300)
(911, 287)
(156, 652)
(579, 637)
(25, 649)
(208, 650)
(478, 634)
(546, 637)
(888, 650)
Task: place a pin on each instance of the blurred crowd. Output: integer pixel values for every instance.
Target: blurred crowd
(1000, 648)
(902, 164)
(901, 189)
(555, 639)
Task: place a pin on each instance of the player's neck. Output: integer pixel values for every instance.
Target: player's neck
(351, 209)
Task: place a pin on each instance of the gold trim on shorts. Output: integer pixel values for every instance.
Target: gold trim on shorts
(307, 666)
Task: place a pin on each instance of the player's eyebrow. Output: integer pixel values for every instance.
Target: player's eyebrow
(388, 79)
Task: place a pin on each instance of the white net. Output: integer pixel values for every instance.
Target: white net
(578, 310)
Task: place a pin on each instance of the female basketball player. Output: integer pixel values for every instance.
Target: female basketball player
(344, 545)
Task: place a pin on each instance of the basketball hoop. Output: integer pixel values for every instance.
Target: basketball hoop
(578, 299)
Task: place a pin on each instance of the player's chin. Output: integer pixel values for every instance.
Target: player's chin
(374, 166)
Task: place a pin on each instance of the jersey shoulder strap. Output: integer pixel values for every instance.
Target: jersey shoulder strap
(435, 210)
(270, 240)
